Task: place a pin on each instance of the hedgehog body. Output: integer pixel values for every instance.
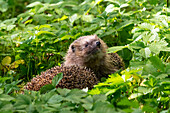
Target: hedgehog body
(73, 77)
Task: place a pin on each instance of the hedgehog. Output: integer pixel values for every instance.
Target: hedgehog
(86, 62)
(73, 77)
(91, 52)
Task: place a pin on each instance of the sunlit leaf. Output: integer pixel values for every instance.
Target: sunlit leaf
(134, 95)
(34, 4)
(6, 60)
(116, 48)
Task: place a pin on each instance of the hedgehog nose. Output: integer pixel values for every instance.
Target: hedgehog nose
(98, 43)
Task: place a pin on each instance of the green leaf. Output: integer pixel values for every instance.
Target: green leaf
(44, 32)
(115, 49)
(134, 95)
(149, 109)
(145, 52)
(75, 95)
(4, 97)
(124, 24)
(55, 99)
(158, 46)
(34, 4)
(124, 5)
(157, 63)
(6, 60)
(103, 107)
(73, 18)
(10, 27)
(136, 45)
(22, 100)
(47, 88)
(57, 79)
(88, 18)
(64, 92)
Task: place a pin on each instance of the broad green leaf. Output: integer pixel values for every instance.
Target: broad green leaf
(44, 26)
(116, 48)
(136, 45)
(124, 5)
(109, 8)
(34, 4)
(6, 60)
(124, 24)
(10, 27)
(3, 6)
(47, 88)
(73, 18)
(5, 97)
(158, 46)
(146, 26)
(55, 99)
(111, 92)
(162, 76)
(144, 90)
(94, 91)
(22, 100)
(88, 18)
(75, 95)
(103, 107)
(149, 109)
(63, 92)
(145, 52)
(134, 95)
(57, 79)
(157, 63)
(1, 91)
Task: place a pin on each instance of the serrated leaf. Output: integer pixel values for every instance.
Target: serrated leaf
(63, 92)
(157, 63)
(115, 49)
(57, 79)
(55, 99)
(162, 76)
(6, 60)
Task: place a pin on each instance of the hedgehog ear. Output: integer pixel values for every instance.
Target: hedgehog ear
(95, 35)
(73, 48)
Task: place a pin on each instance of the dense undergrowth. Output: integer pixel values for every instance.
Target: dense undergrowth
(34, 36)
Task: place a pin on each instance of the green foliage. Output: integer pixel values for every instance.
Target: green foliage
(35, 34)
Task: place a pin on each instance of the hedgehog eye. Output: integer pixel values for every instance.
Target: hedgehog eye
(86, 45)
(73, 48)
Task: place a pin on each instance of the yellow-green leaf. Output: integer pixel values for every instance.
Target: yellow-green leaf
(6, 60)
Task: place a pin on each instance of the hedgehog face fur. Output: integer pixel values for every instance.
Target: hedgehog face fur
(84, 50)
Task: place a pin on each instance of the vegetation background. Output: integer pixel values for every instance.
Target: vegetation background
(35, 34)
